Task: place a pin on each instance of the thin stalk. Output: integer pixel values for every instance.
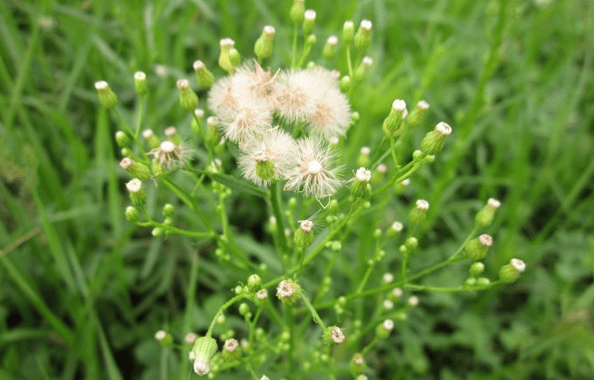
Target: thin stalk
(294, 54)
(275, 205)
(221, 310)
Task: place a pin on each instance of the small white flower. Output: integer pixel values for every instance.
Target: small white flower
(367, 61)
(397, 292)
(306, 225)
(126, 163)
(494, 203)
(276, 146)
(485, 240)
(337, 335)
(406, 182)
(312, 173)
(310, 14)
(101, 85)
(388, 324)
(397, 226)
(264, 377)
(160, 335)
(363, 175)
(366, 24)
(139, 75)
(161, 71)
(518, 264)
(190, 337)
(388, 305)
(147, 133)
(262, 294)
(191, 355)
(332, 40)
(231, 345)
(170, 131)
(388, 277)
(227, 42)
(382, 168)
(134, 186)
(413, 301)
(399, 105)
(423, 105)
(285, 289)
(365, 150)
(443, 128)
(422, 204)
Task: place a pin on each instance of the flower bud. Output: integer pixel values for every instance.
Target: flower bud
(333, 334)
(158, 231)
(140, 83)
(213, 136)
(417, 114)
(511, 271)
(310, 41)
(288, 291)
(153, 141)
(164, 338)
(107, 97)
(265, 168)
(261, 297)
(394, 229)
(131, 214)
(393, 125)
(485, 216)
(477, 248)
(263, 47)
(204, 76)
(204, 349)
(476, 269)
(244, 309)
(433, 141)
(254, 282)
(231, 350)
(196, 124)
(187, 97)
(363, 35)
(330, 48)
(348, 31)
(122, 139)
(412, 244)
(135, 169)
(483, 281)
(297, 11)
(345, 83)
(363, 159)
(309, 21)
(304, 234)
(360, 186)
(384, 329)
(419, 212)
(360, 72)
(168, 210)
(225, 61)
(357, 364)
(137, 195)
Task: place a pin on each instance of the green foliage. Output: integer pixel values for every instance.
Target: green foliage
(84, 290)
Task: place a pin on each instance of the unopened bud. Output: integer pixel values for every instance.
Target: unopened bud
(433, 141)
(122, 139)
(153, 141)
(477, 248)
(309, 20)
(417, 113)
(131, 214)
(357, 364)
(297, 11)
(348, 31)
(140, 83)
(384, 329)
(225, 60)
(330, 48)
(419, 212)
(360, 72)
(204, 349)
(393, 125)
(363, 35)
(476, 269)
(304, 234)
(360, 186)
(263, 47)
(205, 77)
(485, 216)
(137, 195)
(135, 169)
(511, 271)
(254, 282)
(107, 97)
(187, 97)
(345, 83)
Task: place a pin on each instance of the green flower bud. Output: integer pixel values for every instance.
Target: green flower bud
(344, 83)
(511, 271)
(213, 136)
(261, 297)
(433, 141)
(414, 119)
(401, 186)
(197, 121)
(122, 139)
(135, 169)
(348, 31)
(205, 77)
(394, 229)
(168, 210)
(470, 282)
(254, 282)
(224, 58)
(126, 152)
(363, 35)
(419, 212)
(393, 125)
(158, 231)
(360, 72)
(231, 350)
(363, 159)
(244, 309)
(107, 97)
(164, 338)
(330, 48)
(137, 195)
(377, 233)
(203, 351)
(263, 47)
(153, 141)
(483, 281)
(412, 244)
(477, 248)
(140, 83)
(187, 97)
(234, 57)
(310, 41)
(485, 216)
(309, 21)
(476, 269)
(288, 291)
(265, 168)
(297, 11)
(360, 186)
(304, 234)
(384, 329)
(333, 334)
(131, 214)
(336, 246)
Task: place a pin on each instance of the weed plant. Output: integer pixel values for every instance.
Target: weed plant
(262, 240)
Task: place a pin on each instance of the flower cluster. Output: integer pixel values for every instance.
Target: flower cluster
(247, 104)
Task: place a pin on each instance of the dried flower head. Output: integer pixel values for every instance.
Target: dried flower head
(337, 335)
(170, 156)
(312, 172)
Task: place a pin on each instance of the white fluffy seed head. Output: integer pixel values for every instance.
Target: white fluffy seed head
(366, 24)
(139, 75)
(134, 186)
(443, 128)
(422, 204)
(101, 85)
(486, 240)
(399, 105)
(388, 324)
(518, 264)
(167, 146)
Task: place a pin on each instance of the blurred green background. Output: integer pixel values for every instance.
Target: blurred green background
(82, 291)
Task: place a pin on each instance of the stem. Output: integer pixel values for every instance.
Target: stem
(140, 114)
(313, 311)
(301, 256)
(294, 54)
(349, 63)
(189, 305)
(290, 323)
(223, 308)
(275, 205)
(130, 131)
(369, 346)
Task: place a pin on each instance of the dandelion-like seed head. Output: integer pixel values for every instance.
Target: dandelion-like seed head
(169, 155)
(312, 173)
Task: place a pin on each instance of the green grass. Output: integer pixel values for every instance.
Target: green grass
(83, 290)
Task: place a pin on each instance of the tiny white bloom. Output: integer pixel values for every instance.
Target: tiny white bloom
(160, 335)
(139, 75)
(493, 203)
(337, 335)
(413, 301)
(101, 85)
(397, 226)
(388, 305)
(388, 324)
(190, 337)
(388, 277)
(423, 105)
(366, 24)
(365, 150)
(397, 292)
(134, 186)
(285, 289)
(363, 175)
(422, 204)
(485, 240)
(231, 345)
(306, 225)
(262, 294)
(518, 264)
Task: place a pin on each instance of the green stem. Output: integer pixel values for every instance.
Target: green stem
(221, 310)
(366, 349)
(313, 311)
(190, 298)
(408, 170)
(290, 323)
(140, 114)
(294, 54)
(349, 63)
(275, 205)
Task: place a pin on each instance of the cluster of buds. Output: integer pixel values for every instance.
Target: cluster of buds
(229, 58)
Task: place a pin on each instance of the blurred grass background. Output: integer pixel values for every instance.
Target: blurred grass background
(83, 291)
